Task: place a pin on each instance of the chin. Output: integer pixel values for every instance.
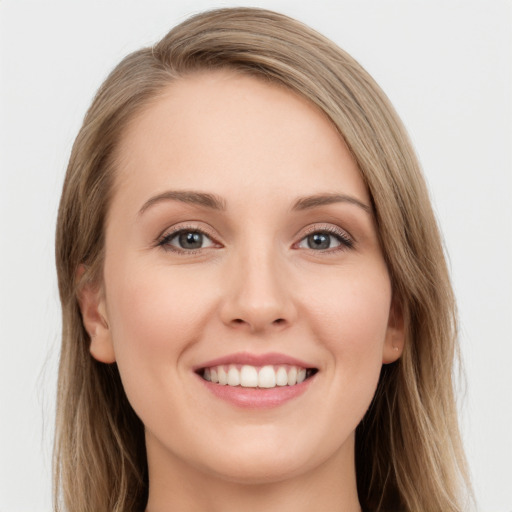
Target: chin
(259, 471)
(270, 460)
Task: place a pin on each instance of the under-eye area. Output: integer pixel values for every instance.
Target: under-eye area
(248, 376)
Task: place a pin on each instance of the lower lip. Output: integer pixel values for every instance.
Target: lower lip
(257, 398)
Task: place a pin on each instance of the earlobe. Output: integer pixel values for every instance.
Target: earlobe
(95, 319)
(395, 334)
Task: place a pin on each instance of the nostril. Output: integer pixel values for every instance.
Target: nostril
(257, 325)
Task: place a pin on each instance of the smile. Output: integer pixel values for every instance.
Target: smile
(256, 381)
(248, 376)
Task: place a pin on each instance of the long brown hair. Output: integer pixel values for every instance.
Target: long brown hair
(409, 454)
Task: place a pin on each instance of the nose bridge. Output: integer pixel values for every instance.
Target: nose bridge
(258, 296)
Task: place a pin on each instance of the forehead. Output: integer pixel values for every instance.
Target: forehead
(215, 129)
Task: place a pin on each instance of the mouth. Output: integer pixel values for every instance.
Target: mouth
(257, 381)
(249, 376)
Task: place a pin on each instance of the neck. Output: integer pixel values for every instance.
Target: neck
(175, 485)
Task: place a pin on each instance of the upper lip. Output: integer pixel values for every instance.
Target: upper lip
(271, 358)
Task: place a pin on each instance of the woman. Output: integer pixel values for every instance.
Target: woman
(257, 312)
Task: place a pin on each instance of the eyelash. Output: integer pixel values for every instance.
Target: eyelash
(164, 241)
(345, 241)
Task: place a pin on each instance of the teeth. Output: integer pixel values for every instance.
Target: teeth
(292, 376)
(249, 376)
(223, 377)
(233, 376)
(281, 377)
(267, 377)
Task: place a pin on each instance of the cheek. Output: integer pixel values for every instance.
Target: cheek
(351, 309)
(153, 306)
(350, 319)
(154, 316)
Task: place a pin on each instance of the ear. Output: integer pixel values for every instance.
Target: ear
(91, 300)
(395, 334)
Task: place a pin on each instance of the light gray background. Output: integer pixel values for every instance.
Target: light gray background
(446, 66)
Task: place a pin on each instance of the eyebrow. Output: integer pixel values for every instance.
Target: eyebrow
(306, 203)
(215, 202)
(186, 196)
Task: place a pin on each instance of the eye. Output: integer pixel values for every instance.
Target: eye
(323, 240)
(186, 240)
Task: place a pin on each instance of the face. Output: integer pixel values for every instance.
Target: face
(241, 247)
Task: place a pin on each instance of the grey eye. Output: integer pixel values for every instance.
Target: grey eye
(190, 240)
(320, 240)
(186, 240)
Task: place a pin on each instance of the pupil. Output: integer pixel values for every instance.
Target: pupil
(191, 240)
(319, 241)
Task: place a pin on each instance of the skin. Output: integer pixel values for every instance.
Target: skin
(255, 286)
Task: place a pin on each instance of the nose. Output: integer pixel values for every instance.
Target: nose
(258, 295)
